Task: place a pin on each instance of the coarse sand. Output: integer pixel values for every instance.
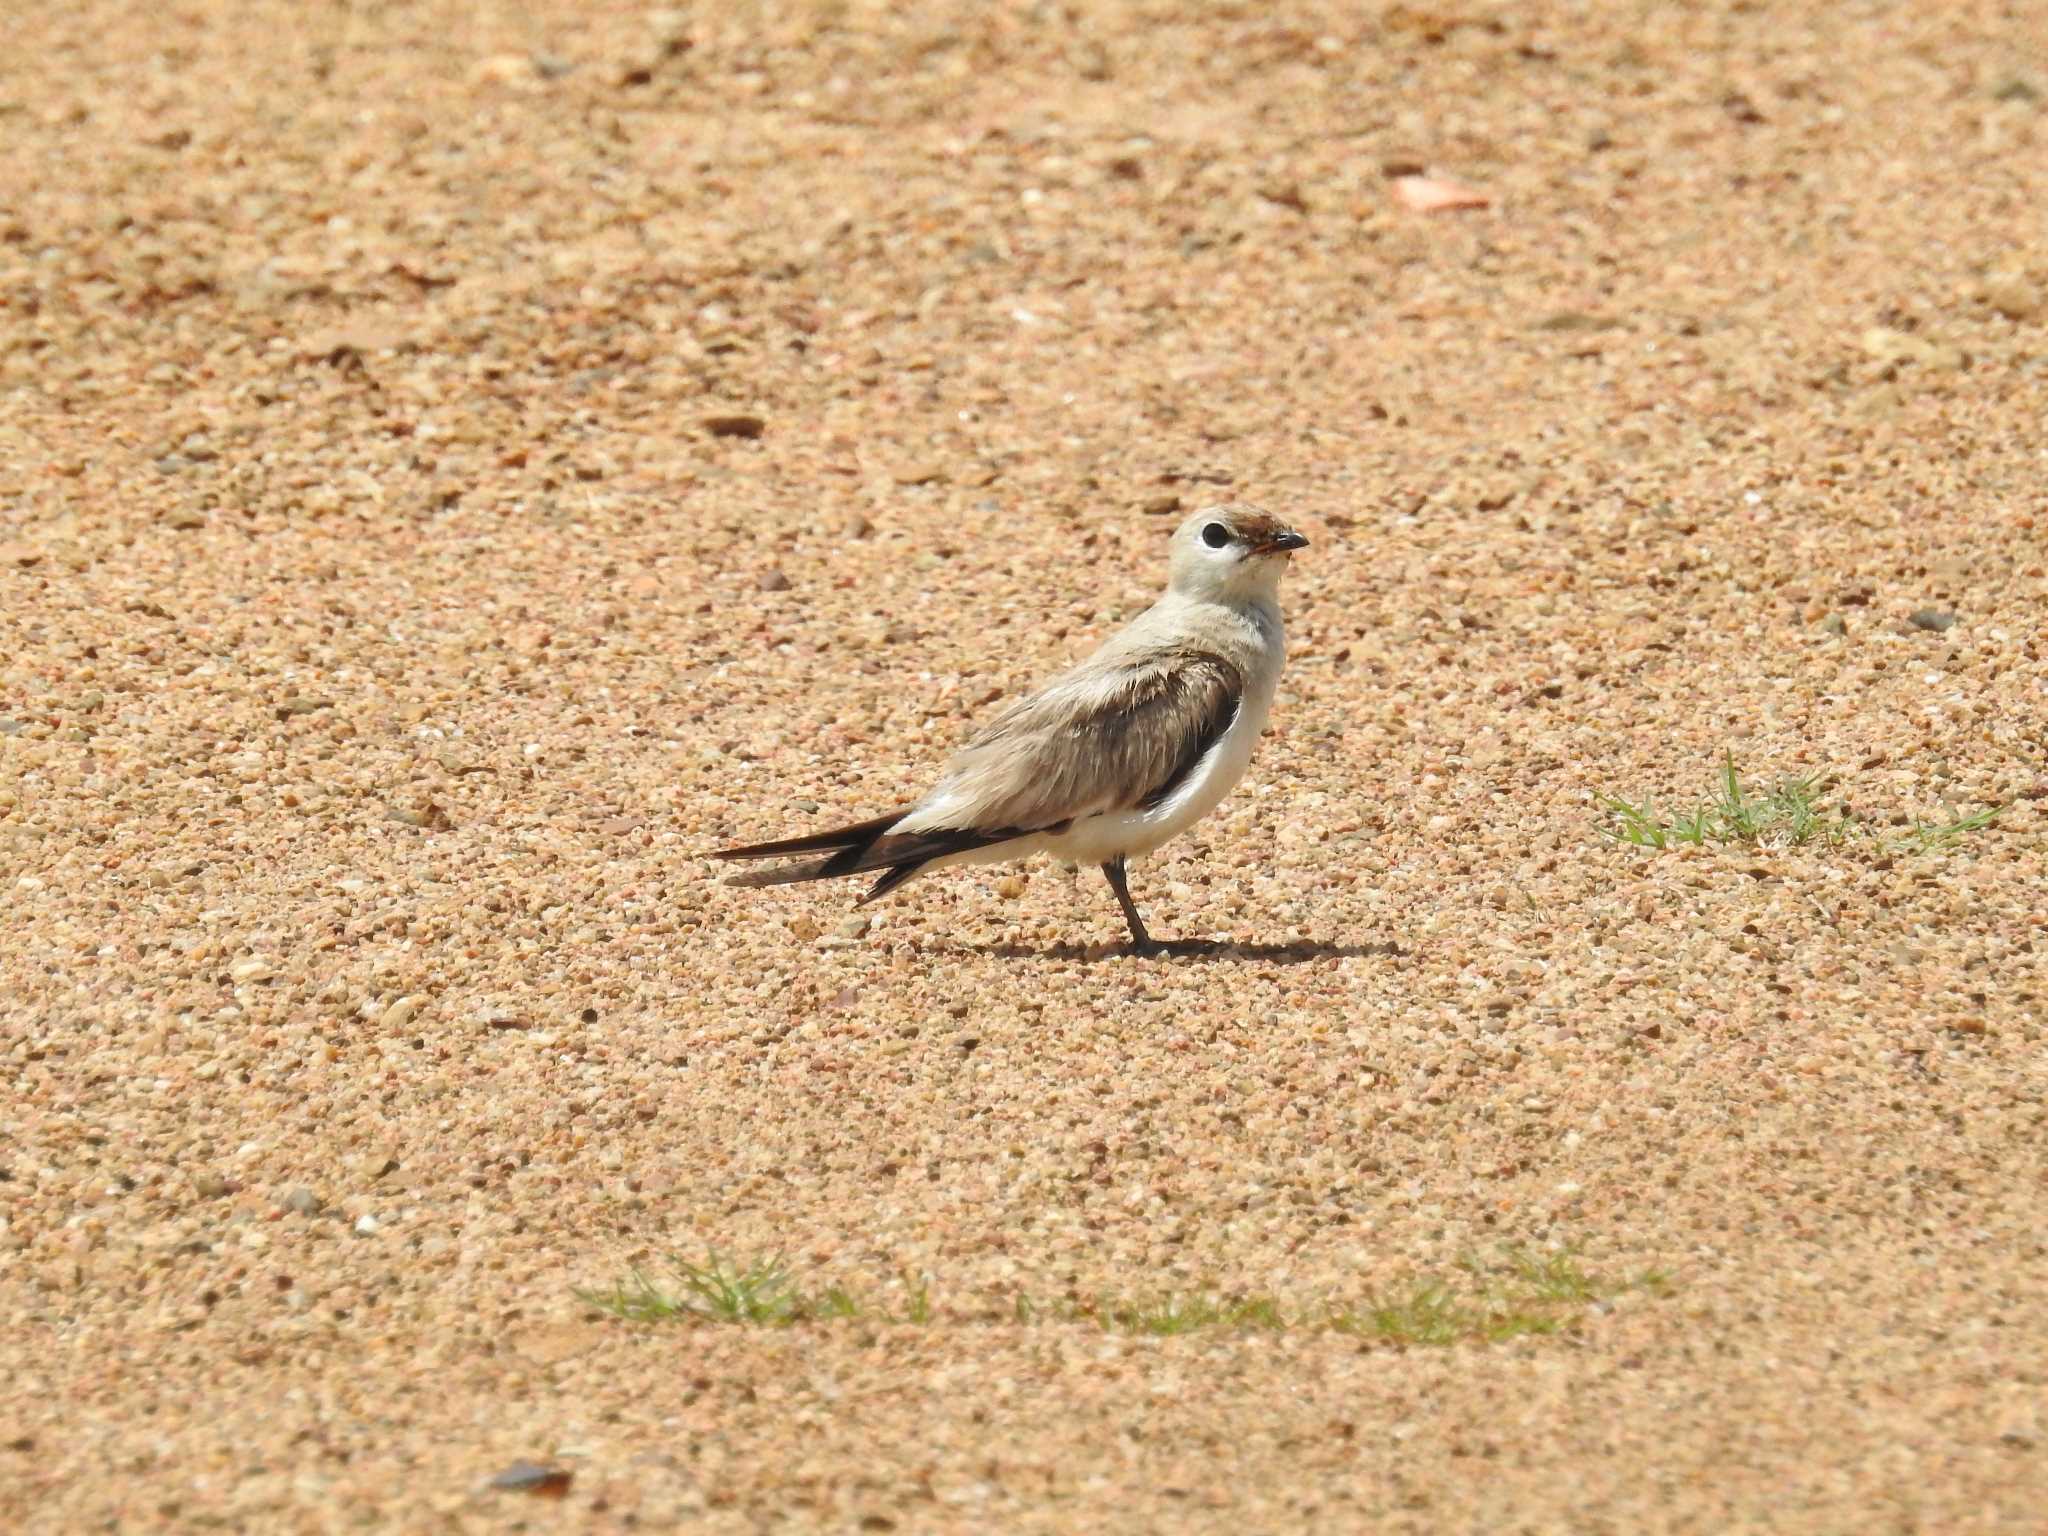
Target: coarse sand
(460, 462)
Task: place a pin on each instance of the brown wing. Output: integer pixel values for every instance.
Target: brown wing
(1096, 740)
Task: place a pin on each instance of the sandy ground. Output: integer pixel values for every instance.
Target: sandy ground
(460, 462)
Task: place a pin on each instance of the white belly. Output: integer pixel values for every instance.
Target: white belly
(1136, 832)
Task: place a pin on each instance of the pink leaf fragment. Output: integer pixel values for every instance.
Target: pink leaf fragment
(1433, 194)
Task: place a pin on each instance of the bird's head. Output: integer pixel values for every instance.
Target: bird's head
(1231, 553)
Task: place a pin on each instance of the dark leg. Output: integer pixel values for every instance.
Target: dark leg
(1142, 943)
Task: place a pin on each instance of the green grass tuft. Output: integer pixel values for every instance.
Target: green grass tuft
(1927, 837)
(1170, 1314)
(1789, 814)
(832, 1303)
(1430, 1314)
(917, 1291)
(761, 1293)
(1520, 1294)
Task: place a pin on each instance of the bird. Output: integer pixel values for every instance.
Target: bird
(1110, 759)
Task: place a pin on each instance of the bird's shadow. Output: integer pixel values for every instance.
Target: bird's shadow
(1200, 950)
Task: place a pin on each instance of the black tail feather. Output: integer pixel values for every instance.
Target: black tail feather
(893, 875)
(860, 834)
(856, 850)
(783, 874)
(897, 874)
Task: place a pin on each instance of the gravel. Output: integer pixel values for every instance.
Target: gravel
(402, 412)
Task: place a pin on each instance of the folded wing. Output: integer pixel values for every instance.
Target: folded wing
(1100, 739)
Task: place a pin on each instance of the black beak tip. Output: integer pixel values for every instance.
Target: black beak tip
(1290, 540)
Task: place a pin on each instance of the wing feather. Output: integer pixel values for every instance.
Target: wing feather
(1100, 739)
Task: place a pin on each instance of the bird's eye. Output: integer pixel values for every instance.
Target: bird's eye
(1215, 535)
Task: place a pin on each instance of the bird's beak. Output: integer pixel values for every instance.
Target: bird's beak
(1280, 543)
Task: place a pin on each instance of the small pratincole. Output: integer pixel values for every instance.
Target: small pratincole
(1110, 760)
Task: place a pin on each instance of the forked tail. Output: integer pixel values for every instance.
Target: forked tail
(860, 848)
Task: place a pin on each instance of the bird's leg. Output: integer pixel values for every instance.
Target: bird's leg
(1142, 943)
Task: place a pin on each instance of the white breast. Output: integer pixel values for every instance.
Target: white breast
(1132, 833)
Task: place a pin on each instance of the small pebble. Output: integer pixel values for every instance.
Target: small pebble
(2015, 298)
(375, 1164)
(400, 1013)
(531, 1477)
